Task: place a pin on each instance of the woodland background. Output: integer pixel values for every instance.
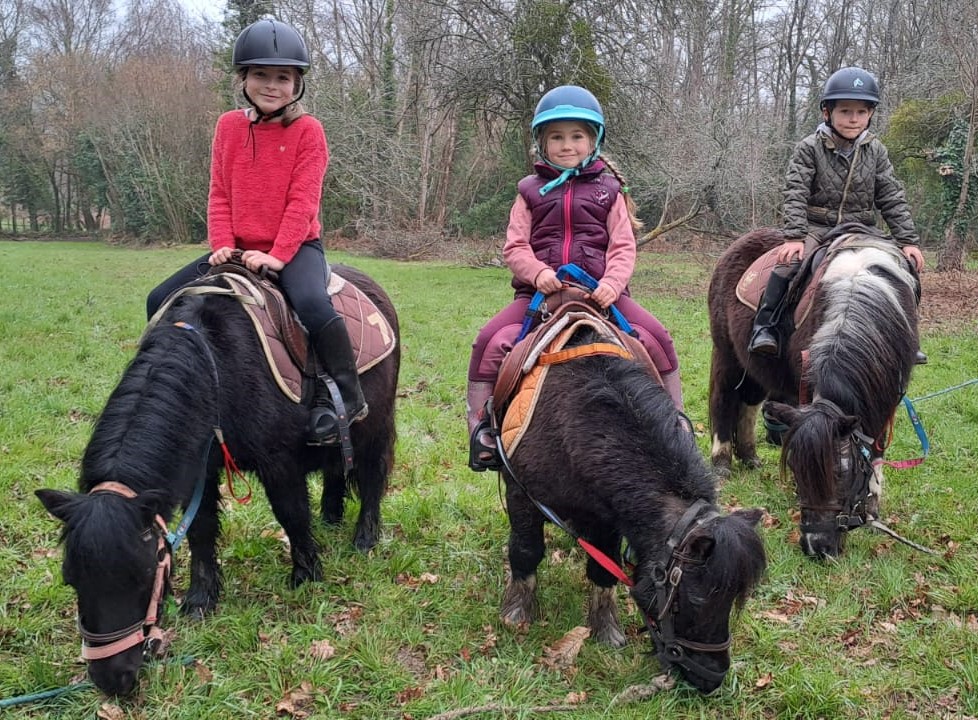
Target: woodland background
(107, 109)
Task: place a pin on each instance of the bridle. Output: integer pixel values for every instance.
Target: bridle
(667, 573)
(98, 646)
(855, 460)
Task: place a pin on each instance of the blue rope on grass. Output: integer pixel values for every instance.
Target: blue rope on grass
(80, 685)
(928, 396)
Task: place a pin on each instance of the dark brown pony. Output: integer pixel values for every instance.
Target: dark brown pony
(606, 452)
(860, 340)
(153, 447)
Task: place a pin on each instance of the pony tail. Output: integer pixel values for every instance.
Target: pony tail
(629, 200)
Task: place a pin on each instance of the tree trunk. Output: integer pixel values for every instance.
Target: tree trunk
(951, 254)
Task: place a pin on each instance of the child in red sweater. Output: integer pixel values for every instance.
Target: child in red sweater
(267, 168)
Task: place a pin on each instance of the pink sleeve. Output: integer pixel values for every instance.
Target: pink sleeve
(517, 253)
(305, 191)
(620, 256)
(219, 233)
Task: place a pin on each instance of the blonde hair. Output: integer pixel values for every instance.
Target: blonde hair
(629, 200)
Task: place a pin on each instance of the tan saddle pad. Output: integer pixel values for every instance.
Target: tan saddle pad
(284, 340)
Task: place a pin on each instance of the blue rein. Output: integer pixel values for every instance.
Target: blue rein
(581, 277)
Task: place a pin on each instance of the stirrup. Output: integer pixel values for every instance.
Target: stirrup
(329, 435)
(483, 457)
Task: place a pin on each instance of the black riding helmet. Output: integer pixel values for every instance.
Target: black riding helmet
(274, 43)
(851, 83)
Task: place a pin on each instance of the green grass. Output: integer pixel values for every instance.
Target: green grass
(884, 632)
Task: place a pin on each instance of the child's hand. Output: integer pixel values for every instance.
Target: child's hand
(254, 260)
(789, 249)
(547, 282)
(913, 254)
(220, 256)
(603, 295)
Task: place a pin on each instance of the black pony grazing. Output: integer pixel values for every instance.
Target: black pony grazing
(835, 390)
(606, 454)
(201, 368)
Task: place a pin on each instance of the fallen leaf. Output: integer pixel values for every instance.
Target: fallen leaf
(202, 672)
(110, 711)
(562, 654)
(321, 650)
(763, 681)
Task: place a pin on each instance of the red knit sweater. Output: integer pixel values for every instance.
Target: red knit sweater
(266, 187)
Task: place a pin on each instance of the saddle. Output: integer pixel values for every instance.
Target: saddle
(524, 370)
(750, 287)
(284, 340)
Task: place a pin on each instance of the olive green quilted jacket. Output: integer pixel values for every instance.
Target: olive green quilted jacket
(824, 188)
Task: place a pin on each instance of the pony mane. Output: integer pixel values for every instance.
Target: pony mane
(163, 399)
(737, 562)
(860, 346)
(815, 476)
(643, 410)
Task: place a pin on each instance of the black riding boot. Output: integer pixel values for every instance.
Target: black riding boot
(332, 346)
(764, 338)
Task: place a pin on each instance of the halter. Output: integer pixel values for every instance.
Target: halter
(98, 646)
(855, 458)
(667, 573)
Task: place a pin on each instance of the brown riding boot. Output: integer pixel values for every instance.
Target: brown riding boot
(482, 445)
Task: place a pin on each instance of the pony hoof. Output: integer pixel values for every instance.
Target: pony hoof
(519, 606)
(610, 635)
(364, 541)
(300, 577)
(754, 462)
(195, 611)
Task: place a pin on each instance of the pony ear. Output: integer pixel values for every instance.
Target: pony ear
(153, 503)
(780, 412)
(752, 515)
(847, 423)
(57, 502)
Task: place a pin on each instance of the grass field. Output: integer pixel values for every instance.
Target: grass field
(884, 632)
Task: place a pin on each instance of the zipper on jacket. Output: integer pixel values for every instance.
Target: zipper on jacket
(568, 209)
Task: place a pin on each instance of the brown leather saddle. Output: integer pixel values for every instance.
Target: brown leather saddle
(283, 338)
(750, 287)
(524, 369)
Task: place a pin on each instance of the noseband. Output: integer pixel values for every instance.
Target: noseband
(98, 646)
(667, 572)
(855, 461)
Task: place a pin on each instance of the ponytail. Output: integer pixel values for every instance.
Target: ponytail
(629, 201)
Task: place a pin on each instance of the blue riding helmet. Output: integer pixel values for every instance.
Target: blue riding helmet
(568, 102)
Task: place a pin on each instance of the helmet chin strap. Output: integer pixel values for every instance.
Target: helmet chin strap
(567, 173)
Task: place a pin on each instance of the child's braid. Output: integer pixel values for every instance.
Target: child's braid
(629, 201)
